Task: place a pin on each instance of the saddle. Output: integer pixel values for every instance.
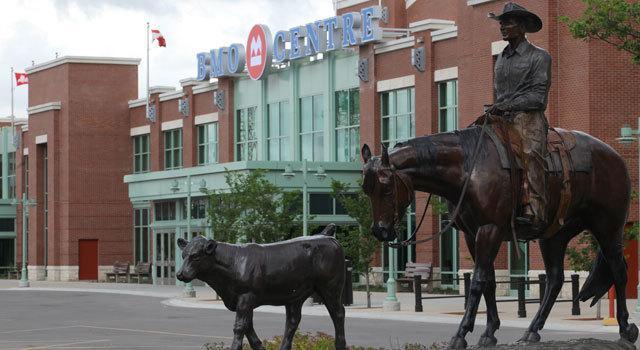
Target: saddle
(563, 159)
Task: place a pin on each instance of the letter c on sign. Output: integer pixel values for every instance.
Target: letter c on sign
(279, 50)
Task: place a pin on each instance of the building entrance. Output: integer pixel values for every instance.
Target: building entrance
(518, 267)
(165, 258)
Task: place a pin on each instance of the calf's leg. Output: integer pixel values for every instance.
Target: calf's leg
(244, 323)
(294, 313)
(252, 337)
(332, 297)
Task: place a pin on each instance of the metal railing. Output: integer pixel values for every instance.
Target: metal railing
(520, 283)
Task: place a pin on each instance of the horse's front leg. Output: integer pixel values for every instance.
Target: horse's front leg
(493, 321)
(487, 243)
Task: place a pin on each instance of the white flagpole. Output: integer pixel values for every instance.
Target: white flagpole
(13, 126)
(147, 110)
(11, 82)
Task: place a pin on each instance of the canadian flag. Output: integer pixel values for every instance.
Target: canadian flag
(158, 36)
(21, 79)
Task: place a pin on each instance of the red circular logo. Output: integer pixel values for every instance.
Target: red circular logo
(258, 51)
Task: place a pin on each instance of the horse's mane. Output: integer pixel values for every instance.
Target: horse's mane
(427, 146)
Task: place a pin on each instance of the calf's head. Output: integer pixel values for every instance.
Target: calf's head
(196, 257)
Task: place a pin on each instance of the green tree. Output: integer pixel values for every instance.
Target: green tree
(358, 243)
(616, 22)
(254, 210)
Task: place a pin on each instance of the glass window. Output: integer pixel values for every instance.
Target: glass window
(348, 125)
(311, 128)
(173, 149)
(165, 211)
(141, 235)
(278, 131)
(12, 175)
(208, 143)
(25, 169)
(198, 208)
(246, 136)
(448, 105)
(141, 154)
(320, 203)
(398, 117)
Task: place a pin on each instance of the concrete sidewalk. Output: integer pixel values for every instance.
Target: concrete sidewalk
(445, 311)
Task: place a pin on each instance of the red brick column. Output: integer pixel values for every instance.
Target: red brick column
(226, 122)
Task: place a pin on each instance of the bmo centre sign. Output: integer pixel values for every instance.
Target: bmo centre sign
(349, 29)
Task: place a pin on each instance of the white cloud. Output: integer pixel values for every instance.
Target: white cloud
(37, 30)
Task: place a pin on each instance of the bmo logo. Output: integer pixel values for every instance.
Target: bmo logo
(258, 51)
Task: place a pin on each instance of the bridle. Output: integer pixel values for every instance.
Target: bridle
(409, 186)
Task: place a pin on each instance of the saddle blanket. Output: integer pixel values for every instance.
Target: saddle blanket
(580, 156)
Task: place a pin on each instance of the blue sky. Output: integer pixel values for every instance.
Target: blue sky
(37, 30)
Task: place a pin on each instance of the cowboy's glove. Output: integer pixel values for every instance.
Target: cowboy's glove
(498, 109)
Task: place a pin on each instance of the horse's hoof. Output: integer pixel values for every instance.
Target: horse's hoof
(630, 334)
(457, 343)
(487, 341)
(530, 337)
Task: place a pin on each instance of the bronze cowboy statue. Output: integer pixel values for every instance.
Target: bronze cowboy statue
(578, 181)
(521, 84)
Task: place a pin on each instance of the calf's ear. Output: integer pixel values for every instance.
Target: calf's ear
(210, 247)
(182, 243)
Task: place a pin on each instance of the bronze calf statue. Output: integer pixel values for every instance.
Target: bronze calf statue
(284, 273)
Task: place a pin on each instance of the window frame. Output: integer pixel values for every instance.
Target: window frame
(393, 115)
(352, 130)
(206, 145)
(170, 162)
(284, 131)
(242, 144)
(139, 164)
(317, 127)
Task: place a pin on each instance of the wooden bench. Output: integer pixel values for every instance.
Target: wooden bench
(119, 269)
(142, 270)
(424, 270)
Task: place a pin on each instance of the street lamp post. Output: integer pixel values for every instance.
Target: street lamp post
(188, 291)
(627, 136)
(320, 174)
(24, 275)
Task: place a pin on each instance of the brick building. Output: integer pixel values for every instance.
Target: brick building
(112, 184)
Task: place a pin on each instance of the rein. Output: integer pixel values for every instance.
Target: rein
(411, 240)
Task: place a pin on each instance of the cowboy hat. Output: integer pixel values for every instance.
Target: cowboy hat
(532, 23)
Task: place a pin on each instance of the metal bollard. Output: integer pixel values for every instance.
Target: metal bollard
(417, 290)
(522, 309)
(542, 283)
(467, 285)
(575, 289)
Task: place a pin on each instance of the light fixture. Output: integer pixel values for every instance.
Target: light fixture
(626, 135)
(320, 173)
(288, 172)
(174, 186)
(203, 186)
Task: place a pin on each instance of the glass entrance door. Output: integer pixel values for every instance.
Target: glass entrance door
(165, 258)
(518, 267)
(449, 257)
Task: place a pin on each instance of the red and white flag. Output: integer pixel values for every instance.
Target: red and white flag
(158, 36)
(21, 79)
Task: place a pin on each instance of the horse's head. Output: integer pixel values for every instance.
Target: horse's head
(389, 191)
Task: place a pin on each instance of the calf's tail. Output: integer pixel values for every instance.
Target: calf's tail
(329, 231)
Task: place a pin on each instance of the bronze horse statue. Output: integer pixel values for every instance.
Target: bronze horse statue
(439, 163)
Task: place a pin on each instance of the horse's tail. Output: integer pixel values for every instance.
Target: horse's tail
(598, 282)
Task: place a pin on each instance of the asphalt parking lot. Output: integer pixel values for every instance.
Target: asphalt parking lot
(34, 319)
